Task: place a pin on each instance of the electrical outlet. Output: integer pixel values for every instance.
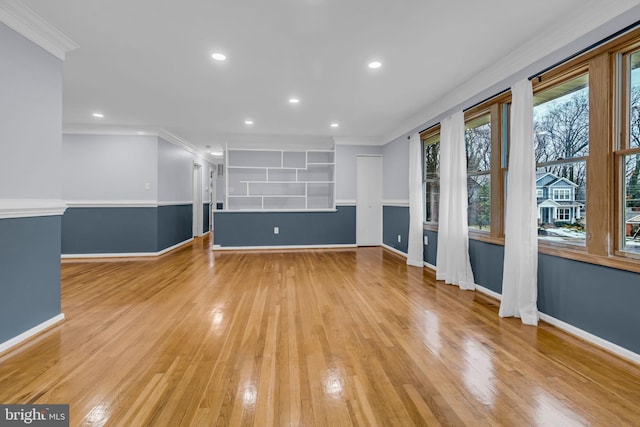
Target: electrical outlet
(426, 240)
(276, 230)
(399, 238)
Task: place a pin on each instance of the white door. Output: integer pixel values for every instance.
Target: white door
(369, 201)
(197, 200)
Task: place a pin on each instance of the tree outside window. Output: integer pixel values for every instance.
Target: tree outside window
(478, 151)
(432, 177)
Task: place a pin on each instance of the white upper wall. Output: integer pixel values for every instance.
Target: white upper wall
(346, 171)
(109, 168)
(396, 171)
(175, 173)
(30, 119)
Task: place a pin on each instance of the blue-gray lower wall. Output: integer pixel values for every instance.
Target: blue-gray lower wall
(29, 273)
(600, 300)
(296, 228)
(395, 222)
(596, 299)
(110, 230)
(175, 225)
(114, 230)
(206, 214)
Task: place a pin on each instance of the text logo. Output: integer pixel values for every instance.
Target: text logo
(34, 415)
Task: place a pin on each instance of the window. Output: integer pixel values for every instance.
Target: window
(561, 194)
(564, 214)
(478, 148)
(539, 193)
(432, 177)
(561, 140)
(629, 154)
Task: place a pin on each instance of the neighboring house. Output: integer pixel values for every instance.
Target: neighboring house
(632, 222)
(556, 199)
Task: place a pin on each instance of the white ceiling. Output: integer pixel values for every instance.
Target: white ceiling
(146, 64)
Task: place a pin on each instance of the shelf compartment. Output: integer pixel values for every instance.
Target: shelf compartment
(294, 159)
(284, 203)
(277, 189)
(286, 175)
(242, 203)
(239, 177)
(255, 158)
(320, 157)
(316, 173)
(320, 195)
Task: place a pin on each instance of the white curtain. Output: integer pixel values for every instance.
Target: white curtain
(416, 218)
(452, 264)
(520, 272)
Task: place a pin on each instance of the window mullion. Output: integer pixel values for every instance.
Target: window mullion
(599, 163)
(497, 181)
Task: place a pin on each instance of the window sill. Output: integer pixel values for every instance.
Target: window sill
(486, 237)
(431, 226)
(620, 261)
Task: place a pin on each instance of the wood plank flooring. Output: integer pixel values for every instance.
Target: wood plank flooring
(304, 338)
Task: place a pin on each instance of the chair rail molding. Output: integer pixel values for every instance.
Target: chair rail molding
(25, 208)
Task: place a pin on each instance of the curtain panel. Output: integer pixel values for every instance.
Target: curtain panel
(520, 272)
(415, 249)
(452, 264)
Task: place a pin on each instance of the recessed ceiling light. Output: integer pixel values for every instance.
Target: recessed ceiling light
(335, 125)
(248, 122)
(375, 64)
(218, 56)
(98, 115)
(140, 132)
(294, 100)
(216, 153)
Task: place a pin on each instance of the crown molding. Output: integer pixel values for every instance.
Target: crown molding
(174, 139)
(29, 24)
(89, 130)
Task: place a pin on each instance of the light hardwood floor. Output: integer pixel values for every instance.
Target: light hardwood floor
(313, 338)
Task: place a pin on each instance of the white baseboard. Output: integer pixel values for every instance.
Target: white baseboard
(577, 332)
(176, 246)
(394, 250)
(489, 292)
(30, 333)
(593, 339)
(252, 248)
(126, 254)
(432, 267)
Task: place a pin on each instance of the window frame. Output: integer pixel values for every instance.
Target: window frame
(424, 136)
(556, 192)
(496, 172)
(622, 144)
(566, 211)
(604, 193)
(552, 78)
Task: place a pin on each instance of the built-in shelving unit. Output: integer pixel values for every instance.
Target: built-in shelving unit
(280, 180)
